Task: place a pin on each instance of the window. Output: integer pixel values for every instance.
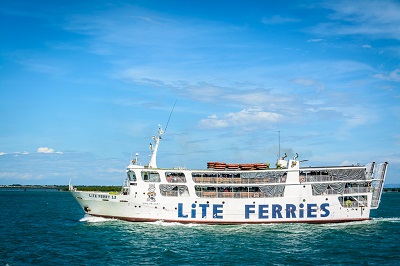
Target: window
(175, 177)
(150, 176)
(268, 191)
(251, 177)
(174, 190)
(131, 176)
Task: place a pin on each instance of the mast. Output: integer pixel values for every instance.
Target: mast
(154, 148)
(279, 144)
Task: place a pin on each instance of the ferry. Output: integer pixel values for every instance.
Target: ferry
(225, 193)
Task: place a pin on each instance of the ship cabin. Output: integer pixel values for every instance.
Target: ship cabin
(351, 184)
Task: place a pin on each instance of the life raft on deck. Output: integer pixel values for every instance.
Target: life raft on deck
(235, 166)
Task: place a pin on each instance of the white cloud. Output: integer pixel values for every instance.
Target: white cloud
(309, 82)
(2, 153)
(258, 97)
(315, 40)
(206, 91)
(252, 115)
(391, 76)
(203, 91)
(146, 76)
(45, 150)
(114, 170)
(359, 117)
(368, 46)
(36, 169)
(375, 18)
(12, 175)
(244, 117)
(213, 122)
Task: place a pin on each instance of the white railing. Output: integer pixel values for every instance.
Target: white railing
(346, 191)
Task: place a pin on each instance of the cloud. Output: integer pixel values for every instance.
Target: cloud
(145, 76)
(359, 116)
(372, 18)
(45, 150)
(213, 121)
(278, 19)
(315, 40)
(36, 169)
(206, 91)
(203, 91)
(150, 19)
(309, 83)
(12, 175)
(40, 64)
(114, 170)
(132, 28)
(258, 97)
(245, 117)
(391, 76)
(347, 163)
(254, 115)
(367, 46)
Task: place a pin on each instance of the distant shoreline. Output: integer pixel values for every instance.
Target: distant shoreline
(35, 187)
(62, 187)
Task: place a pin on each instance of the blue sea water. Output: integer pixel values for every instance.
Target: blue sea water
(46, 227)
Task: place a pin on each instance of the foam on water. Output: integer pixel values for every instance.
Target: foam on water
(393, 219)
(93, 219)
(168, 224)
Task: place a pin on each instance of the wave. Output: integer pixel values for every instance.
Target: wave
(93, 219)
(393, 219)
(169, 224)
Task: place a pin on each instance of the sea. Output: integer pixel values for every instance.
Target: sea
(47, 227)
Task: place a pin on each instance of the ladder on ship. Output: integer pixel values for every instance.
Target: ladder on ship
(378, 174)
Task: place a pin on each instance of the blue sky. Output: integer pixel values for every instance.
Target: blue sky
(84, 85)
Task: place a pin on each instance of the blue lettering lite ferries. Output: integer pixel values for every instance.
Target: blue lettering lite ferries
(240, 193)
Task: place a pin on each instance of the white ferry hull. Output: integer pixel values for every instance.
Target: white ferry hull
(221, 211)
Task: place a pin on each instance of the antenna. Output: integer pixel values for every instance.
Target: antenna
(279, 141)
(170, 116)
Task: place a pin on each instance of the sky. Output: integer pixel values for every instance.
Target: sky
(85, 84)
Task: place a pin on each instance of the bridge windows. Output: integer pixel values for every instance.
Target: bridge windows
(131, 176)
(151, 176)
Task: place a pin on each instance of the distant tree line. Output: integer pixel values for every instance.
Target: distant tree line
(391, 190)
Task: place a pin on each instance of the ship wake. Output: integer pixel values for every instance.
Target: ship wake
(93, 219)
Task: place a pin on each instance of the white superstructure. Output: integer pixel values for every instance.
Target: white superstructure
(240, 193)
